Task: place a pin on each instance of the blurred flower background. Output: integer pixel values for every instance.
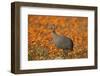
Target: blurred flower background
(40, 44)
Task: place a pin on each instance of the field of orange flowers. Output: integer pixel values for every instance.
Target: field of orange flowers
(40, 42)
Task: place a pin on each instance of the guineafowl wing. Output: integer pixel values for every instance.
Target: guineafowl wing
(64, 43)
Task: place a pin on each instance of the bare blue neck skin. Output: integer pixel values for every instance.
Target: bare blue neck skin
(54, 34)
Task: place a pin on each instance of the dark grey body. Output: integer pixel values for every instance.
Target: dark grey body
(62, 42)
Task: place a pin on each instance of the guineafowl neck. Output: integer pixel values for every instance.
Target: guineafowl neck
(54, 34)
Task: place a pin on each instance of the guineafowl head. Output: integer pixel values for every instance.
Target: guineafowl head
(54, 34)
(52, 27)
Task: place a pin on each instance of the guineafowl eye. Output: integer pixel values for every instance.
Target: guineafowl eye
(61, 41)
(52, 27)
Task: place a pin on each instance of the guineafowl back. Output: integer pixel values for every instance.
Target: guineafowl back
(62, 41)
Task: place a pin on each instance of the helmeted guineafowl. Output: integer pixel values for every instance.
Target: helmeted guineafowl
(61, 41)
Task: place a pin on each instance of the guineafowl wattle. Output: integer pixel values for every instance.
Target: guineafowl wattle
(61, 41)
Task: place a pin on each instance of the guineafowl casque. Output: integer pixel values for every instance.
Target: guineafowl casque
(61, 41)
